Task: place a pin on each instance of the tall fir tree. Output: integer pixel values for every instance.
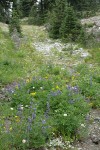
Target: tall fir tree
(56, 18)
(15, 23)
(71, 27)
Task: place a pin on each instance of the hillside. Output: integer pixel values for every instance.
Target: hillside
(50, 97)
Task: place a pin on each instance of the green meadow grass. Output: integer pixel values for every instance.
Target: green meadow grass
(16, 64)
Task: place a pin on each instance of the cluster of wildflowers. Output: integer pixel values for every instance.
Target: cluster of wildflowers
(32, 113)
(56, 93)
(45, 107)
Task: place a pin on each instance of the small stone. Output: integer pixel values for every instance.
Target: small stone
(95, 139)
(97, 119)
(79, 148)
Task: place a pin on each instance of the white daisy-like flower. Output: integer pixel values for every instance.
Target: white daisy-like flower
(41, 88)
(23, 141)
(21, 107)
(62, 68)
(83, 125)
(69, 146)
(65, 115)
(11, 108)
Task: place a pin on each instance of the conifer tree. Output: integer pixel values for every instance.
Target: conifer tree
(36, 16)
(70, 28)
(15, 23)
(56, 18)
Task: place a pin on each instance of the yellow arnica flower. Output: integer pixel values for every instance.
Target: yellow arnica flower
(17, 119)
(73, 78)
(67, 81)
(10, 129)
(16, 116)
(33, 94)
(57, 87)
(27, 81)
(91, 104)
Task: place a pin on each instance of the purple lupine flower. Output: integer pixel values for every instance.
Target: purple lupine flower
(43, 121)
(19, 86)
(58, 92)
(29, 127)
(20, 108)
(78, 99)
(71, 101)
(49, 96)
(34, 109)
(29, 119)
(33, 116)
(31, 105)
(75, 89)
(48, 106)
(43, 129)
(69, 87)
(47, 109)
(20, 111)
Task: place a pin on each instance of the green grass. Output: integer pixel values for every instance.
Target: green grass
(16, 64)
(95, 54)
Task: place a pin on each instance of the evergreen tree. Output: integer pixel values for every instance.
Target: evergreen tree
(24, 7)
(85, 7)
(14, 23)
(70, 28)
(56, 18)
(4, 10)
(34, 15)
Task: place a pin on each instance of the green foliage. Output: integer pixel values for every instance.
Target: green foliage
(64, 23)
(35, 17)
(15, 23)
(49, 102)
(23, 7)
(89, 83)
(15, 64)
(46, 108)
(56, 18)
(4, 11)
(87, 8)
(95, 52)
(70, 27)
